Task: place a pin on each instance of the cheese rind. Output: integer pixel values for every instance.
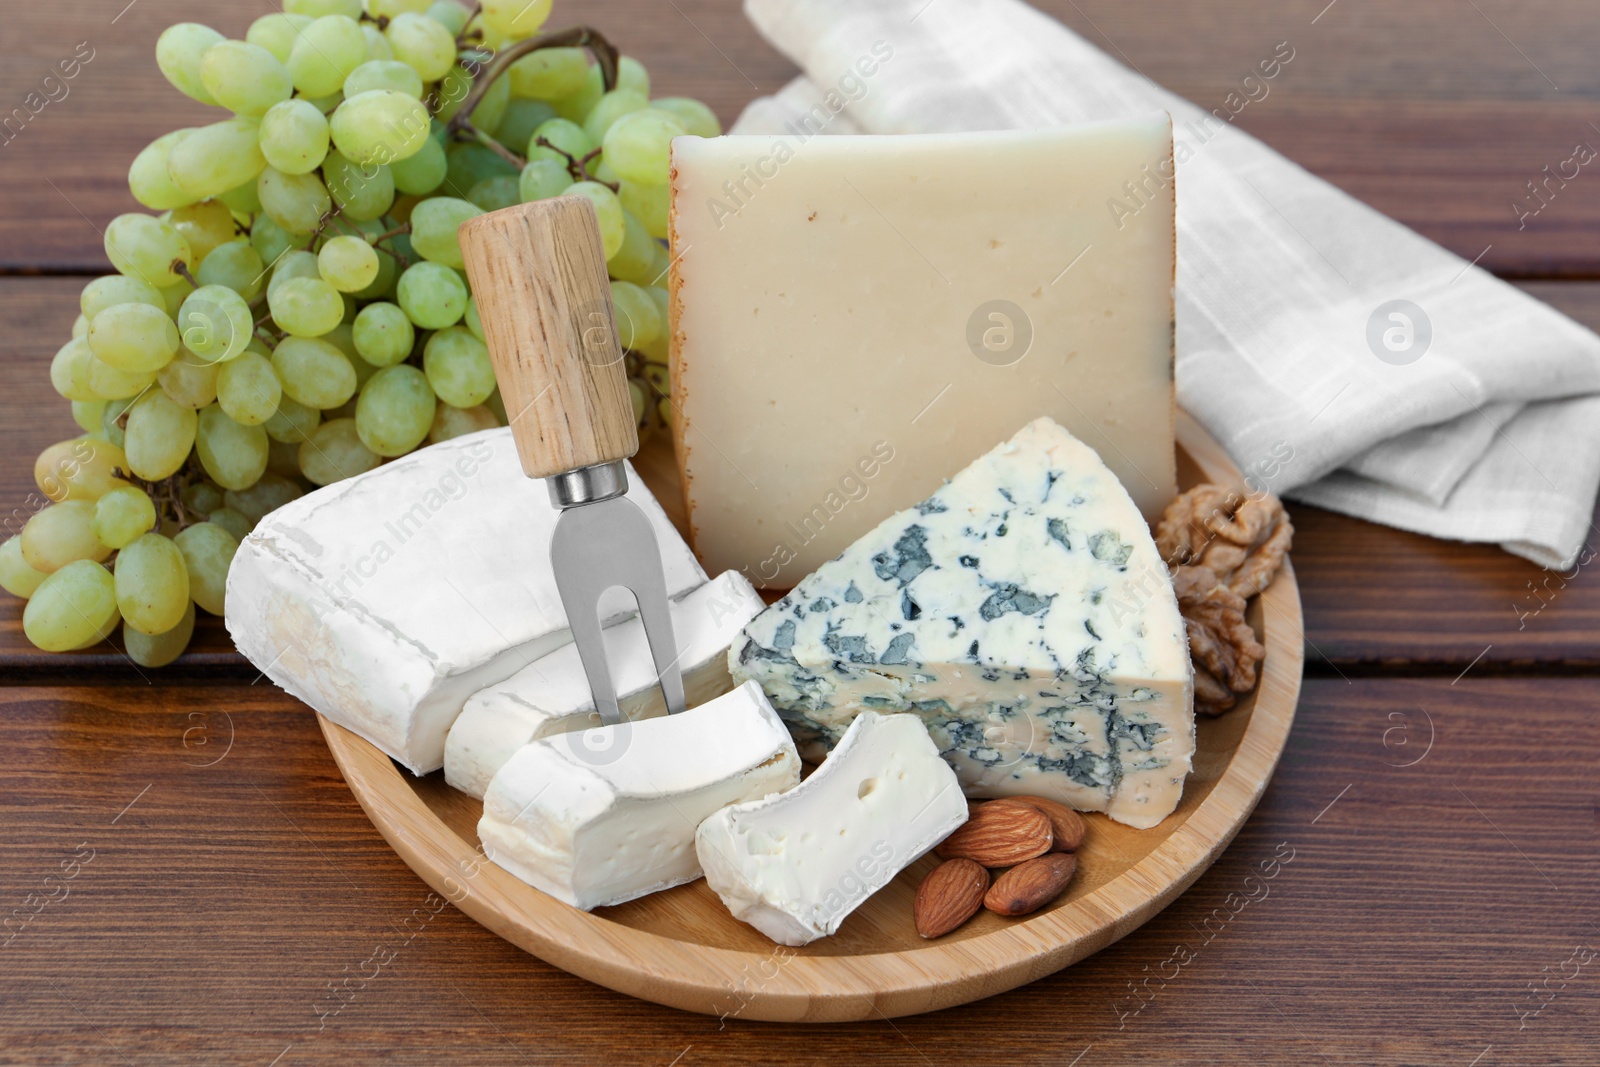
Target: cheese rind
(889, 303)
(384, 601)
(552, 696)
(1023, 613)
(795, 865)
(604, 815)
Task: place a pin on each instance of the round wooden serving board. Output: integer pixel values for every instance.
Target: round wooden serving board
(683, 949)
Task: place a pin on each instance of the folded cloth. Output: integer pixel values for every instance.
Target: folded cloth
(1341, 359)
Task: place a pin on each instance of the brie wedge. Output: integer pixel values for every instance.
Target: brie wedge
(795, 865)
(604, 815)
(552, 696)
(384, 601)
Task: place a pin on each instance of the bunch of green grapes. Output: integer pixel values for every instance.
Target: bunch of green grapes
(297, 313)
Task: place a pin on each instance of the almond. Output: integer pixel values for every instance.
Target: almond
(1066, 826)
(950, 895)
(1029, 886)
(999, 835)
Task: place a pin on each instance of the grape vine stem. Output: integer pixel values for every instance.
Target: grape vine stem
(181, 269)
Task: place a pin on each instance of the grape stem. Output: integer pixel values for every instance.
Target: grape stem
(467, 32)
(492, 145)
(577, 168)
(182, 271)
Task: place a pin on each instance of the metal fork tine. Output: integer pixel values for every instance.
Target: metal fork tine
(663, 644)
(586, 634)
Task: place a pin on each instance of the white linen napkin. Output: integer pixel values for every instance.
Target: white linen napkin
(1486, 433)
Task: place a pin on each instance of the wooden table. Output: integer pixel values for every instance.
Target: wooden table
(1438, 795)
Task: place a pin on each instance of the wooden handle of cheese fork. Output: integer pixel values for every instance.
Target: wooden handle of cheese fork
(538, 274)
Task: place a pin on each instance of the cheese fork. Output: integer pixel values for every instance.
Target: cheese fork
(538, 274)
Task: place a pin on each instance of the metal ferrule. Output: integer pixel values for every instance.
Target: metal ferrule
(588, 485)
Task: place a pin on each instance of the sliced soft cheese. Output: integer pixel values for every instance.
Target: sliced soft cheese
(604, 815)
(552, 696)
(1023, 612)
(795, 865)
(387, 599)
(856, 317)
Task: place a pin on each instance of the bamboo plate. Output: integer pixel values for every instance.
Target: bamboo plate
(683, 949)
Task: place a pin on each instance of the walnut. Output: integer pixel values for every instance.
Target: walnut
(1221, 641)
(1242, 539)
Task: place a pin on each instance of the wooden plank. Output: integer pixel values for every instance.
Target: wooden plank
(1360, 916)
(1443, 134)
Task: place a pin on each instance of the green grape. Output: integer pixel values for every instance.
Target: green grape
(133, 337)
(434, 226)
(663, 302)
(216, 323)
(80, 469)
(314, 372)
(74, 607)
(88, 413)
(450, 422)
(242, 200)
(636, 393)
(378, 50)
(293, 421)
(391, 8)
(179, 51)
(114, 289)
(208, 549)
(492, 108)
(608, 212)
(80, 326)
(294, 137)
(656, 376)
(549, 73)
(201, 497)
(296, 264)
(296, 202)
(189, 381)
(277, 33)
(216, 158)
(123, 515)
(266, 496)
(422, 44)
(648, 203)
(638, 321)
(603, 173)
(248, 390)
(492, 194)
(609, 108)
(158, 650)
(638, 145)
(395, 410)
(232, 522)
(698, 119)
(451, 15)
(497, 405)
(234, 455)
(576, 105)
(565, 137)
(364, 193)
(350, 9)
(635, 260)
(144, 247)
(335, 452)
(17, 577)
(324, 104)
(383, 335)
(388, 74)
(521, 120)
(173, 296)
(158, 436)
(152, 584)
(473, 323)
(515, 18)
(244, 78)
(325, 54)
(432, 295)
(269, 239)
(112, 421)
(106, 382)
(471, 163)
(379, 126)
(382, 286)
(632, 76)
(61, 534)
(148, 179)
(205, 226)
(305, 307)
(236, 265)
(457, 365)
(349, 264)
(422, 173)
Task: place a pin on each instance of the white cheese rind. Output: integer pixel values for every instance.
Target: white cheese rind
(601, 816)
(1023, 612)
(794, 866)
(384, 601)
(832, 296)
(552, 696)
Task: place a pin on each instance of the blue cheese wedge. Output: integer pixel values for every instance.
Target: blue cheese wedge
(552, 696)
(795, 865)
(1023, 613)
(604, 815)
